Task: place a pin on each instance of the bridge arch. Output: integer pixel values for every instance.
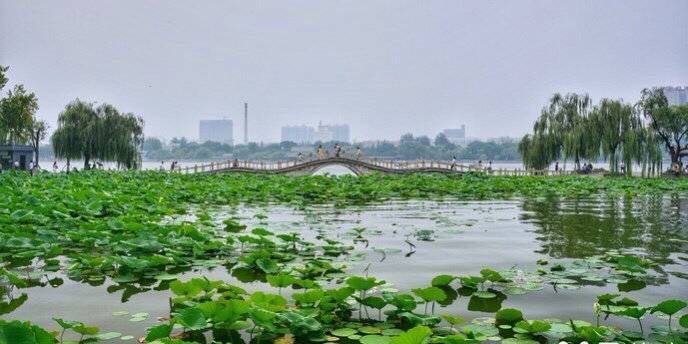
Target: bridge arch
(346, 166)
(299, 168)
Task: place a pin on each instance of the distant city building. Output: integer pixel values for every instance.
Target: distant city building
(340, 133)
(322, 136)
(298, 133)
(216, 130)
(456, 136)
(324, 133)
(676, 95)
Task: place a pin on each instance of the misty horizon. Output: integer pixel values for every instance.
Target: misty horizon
(383, 68)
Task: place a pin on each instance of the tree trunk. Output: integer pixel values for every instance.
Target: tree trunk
(36, 153)
(675, 154)
(87, 159)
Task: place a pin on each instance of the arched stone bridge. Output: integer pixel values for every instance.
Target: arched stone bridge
(308, 167)
(358, 167)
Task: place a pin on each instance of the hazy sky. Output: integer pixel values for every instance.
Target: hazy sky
(384, 67)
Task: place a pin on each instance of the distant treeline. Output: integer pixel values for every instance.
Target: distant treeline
(408, 147)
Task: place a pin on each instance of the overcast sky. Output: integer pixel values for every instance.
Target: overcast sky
(383, 67)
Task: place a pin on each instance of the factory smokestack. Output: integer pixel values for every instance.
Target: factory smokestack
(245, 123)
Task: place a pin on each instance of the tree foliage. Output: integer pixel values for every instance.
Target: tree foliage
(17, 110)
(571, 128)
(670, 123)
(615, 127)
(558, 132)
(98, 133)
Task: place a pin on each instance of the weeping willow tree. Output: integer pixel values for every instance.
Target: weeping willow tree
(617, 129)
(125, 136)
(98, 133)
(555, 133)
(643, 148)
(571, 128)
(76, 132)
(536, 152)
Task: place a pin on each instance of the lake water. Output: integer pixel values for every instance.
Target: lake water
(459, 237)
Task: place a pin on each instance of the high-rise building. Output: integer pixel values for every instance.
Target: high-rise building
(339, 133)
(456, 136)
(298, 133)
(676, 95)
(324, 133)
(216, 130)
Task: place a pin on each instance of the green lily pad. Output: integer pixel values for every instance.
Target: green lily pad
(374, 339)
(343, 332)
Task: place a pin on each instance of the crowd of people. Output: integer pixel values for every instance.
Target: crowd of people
(323, 153)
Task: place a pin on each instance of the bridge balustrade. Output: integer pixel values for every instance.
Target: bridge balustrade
(391, 165)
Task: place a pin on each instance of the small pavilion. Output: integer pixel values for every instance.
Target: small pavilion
(21, 154)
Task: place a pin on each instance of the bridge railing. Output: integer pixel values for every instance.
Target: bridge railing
(262, 165)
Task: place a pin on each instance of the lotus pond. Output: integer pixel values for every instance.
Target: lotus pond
(144, 256)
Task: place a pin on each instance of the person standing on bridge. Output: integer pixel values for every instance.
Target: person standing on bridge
(358, 153)
(320, 152)
(337, 150)
(453, 163)
(299, 157)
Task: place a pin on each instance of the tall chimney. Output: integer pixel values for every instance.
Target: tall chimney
(245, 123)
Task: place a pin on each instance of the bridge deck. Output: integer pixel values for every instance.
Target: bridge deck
(358, 166)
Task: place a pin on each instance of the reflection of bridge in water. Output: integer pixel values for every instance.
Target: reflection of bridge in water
(356, 166)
